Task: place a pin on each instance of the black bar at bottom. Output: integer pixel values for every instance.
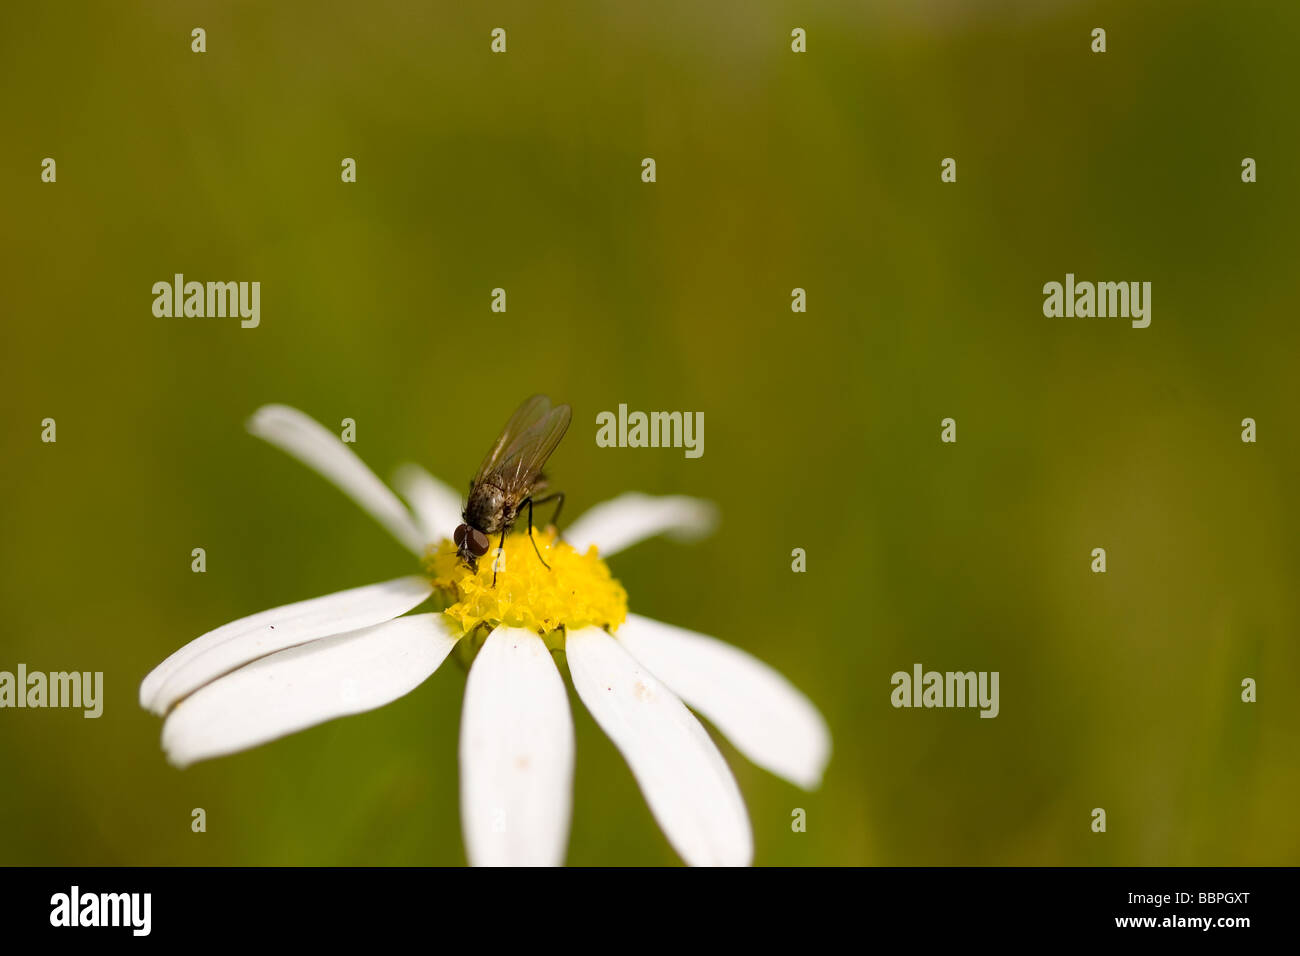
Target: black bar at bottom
(329, 906)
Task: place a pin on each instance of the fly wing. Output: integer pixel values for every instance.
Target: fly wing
(523, 460)
(530, 413)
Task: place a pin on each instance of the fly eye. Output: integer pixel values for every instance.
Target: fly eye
(478, 542)
(459, 536)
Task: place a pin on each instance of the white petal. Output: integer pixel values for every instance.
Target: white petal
(688, 785)
(307, 685)
(756, 708)
(516, 754)
(623, 521)
(437, 507)
(321, 450)
(218, 652)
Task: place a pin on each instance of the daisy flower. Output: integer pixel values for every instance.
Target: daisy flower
(280, 671)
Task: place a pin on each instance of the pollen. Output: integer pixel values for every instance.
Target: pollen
(576, 591)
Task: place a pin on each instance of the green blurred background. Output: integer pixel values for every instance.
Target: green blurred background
(775, 170)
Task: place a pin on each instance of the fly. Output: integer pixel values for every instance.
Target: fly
(510, 477)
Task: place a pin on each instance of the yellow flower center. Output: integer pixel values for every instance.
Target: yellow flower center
(577, 591)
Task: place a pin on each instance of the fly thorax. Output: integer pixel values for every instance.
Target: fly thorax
(484, 508)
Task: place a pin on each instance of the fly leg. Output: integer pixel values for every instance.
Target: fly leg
(529, 502)
(496, 562)
(558, 498)
(541, 501)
